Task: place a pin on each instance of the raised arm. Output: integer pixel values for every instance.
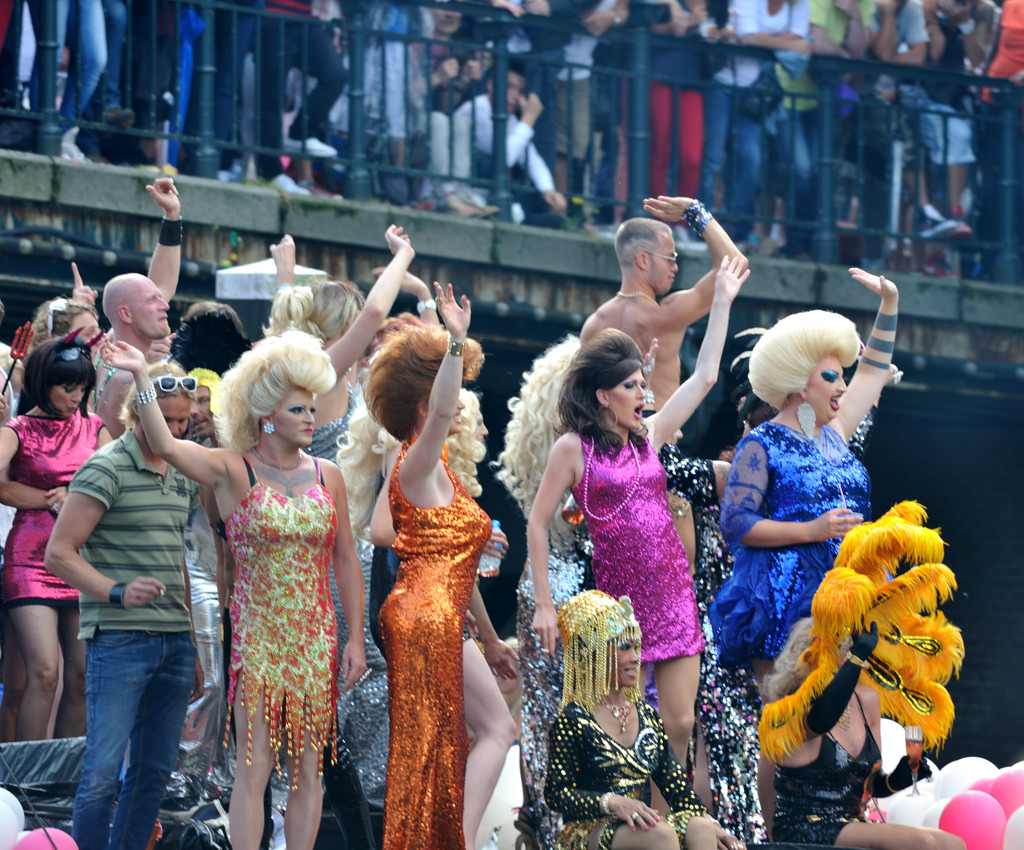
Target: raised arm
(207, 467)
(166, 263)
(561, 473)
(684, 401)
(423, 455)
(873, 370)
(379, 301)
(682, 309)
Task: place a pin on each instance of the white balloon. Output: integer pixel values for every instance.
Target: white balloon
(12, 802)
(934, 812)
(909, 811)
(1013, 838)
(894, 744)
(961, 774)
(8, 829)
(507, 796)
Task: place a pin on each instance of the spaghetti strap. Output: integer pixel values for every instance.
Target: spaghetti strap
(252, 476)
(319, 472)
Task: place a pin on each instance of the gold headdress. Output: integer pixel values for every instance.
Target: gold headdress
(592, 624)
(918, 650)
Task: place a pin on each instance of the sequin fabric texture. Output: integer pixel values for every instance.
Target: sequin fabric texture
(587, 763)
(728, 703)
(284, 639)
(815, 801)
(783, 475)
(49, 453)
(637, 551)
(568, 574)
(421, 622)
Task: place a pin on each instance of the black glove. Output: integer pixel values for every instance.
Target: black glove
(864, 643)
(902, 777)
(829, 707)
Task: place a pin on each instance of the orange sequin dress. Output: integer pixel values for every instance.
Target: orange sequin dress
(284, 637)
(422, 621)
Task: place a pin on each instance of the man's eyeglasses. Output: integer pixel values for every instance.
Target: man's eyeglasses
(169, 383)
(671, 258)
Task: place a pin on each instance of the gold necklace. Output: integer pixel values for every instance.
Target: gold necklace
(282, 467)
(622, 294)
(620, 714)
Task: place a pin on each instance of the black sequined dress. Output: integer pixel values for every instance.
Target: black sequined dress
(586, 763)
(815, 801)
(728, 704)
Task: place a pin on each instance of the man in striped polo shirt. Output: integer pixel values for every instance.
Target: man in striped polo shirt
(125, 513)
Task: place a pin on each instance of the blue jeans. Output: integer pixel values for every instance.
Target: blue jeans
(797, 137)
(137, 688)
(739, 196)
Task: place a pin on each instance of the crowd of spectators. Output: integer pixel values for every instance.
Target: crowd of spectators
(740, 130)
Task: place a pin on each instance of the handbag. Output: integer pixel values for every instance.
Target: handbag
(762, 97)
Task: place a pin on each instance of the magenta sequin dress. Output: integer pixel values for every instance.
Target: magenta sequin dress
(637, 551)
(49, 454)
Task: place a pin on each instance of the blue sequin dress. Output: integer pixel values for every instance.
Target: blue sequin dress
(783, 475)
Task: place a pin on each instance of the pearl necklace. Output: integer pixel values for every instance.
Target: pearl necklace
(621, 294)
(625, 499)
(279, 466)
(620, 714)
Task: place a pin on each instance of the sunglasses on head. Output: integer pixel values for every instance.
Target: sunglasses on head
(169, 383)
(72, 352)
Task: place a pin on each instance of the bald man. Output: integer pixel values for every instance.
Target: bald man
(136, 305)
(647, 259)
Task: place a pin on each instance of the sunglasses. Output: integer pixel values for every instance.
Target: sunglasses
(169, 383)
(72, 352)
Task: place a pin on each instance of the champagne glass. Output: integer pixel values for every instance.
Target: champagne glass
(915, 748)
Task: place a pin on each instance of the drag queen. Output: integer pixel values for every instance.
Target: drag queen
(602, 761)
(608, 457)
(412, 389)
(528, 440)
(795, 489)
(287, 527)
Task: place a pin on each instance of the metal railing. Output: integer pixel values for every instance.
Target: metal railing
(183, 75)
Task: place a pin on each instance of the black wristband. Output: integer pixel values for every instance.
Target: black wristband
(697, 217)
(117, 595)
(170, 232)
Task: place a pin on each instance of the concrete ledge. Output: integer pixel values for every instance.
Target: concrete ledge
(25, 176)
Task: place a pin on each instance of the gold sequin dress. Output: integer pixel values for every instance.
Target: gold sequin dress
(421, 621)
(587, 763)
(284, 639)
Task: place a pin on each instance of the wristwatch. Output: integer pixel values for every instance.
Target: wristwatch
(116, 597)
(429, 304)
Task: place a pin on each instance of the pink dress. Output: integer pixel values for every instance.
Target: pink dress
(637, 551)
(49, 454)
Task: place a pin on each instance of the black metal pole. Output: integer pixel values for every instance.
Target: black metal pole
(357, 175)
(48, 139)
(207, 157)
(825, 242)
(642, 15)
(1008, 265)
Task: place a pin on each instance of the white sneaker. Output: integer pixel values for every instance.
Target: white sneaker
(286, 184)
(311, 147)
(68, 148)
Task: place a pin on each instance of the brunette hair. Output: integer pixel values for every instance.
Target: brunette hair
(600, 364)
(402, 373)
(45, 369)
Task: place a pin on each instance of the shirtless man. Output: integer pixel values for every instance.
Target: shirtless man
(136, 306)
(647, 258)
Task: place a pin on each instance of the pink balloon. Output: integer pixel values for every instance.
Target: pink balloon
(982, 784)
(1008, 790)
(37, 840)
(977, 818)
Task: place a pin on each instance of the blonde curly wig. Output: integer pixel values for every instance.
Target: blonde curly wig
(324, 309)
(533, 429)
(465, 451)
(254, 386)
(360, 457)
(786, 356)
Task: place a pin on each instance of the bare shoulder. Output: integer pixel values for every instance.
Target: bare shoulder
(870, 700)
(608, 315)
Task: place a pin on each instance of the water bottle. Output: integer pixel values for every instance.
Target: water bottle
(490, 564)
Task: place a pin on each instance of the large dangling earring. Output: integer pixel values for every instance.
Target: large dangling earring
(268, 427)
(805, 416)
(606, 409)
